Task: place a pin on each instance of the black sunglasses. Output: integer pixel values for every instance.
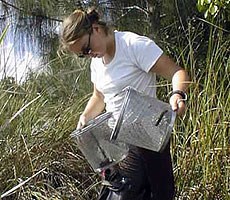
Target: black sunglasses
(86, 51)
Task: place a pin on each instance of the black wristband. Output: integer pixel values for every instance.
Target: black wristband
(181, 93)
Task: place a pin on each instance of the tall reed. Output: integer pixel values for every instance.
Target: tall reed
(39, 161)
(201, 140)
(36, 120)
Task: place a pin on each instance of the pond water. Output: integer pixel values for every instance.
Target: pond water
(32, 37)
(27, 44)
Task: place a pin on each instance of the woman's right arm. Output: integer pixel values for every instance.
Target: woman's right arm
(93, 108)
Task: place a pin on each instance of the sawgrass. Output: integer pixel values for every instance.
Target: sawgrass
(39, 160)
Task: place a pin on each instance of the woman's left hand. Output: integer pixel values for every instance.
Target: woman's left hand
(178, 104)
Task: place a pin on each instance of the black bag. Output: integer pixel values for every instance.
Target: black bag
(117, 187)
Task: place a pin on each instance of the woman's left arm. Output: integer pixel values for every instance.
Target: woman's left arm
(168, 69)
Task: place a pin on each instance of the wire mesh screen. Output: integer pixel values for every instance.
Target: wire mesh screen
(144, 121)
(94, 142)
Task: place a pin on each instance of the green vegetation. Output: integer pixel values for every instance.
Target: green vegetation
(40, 161)
(36, 119)
(201, 140)
(211, 8)
(3, 34)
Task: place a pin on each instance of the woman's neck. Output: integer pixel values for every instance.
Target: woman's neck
(110, 49)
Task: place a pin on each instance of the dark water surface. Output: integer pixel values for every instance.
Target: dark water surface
(28, 42)
(32, 36)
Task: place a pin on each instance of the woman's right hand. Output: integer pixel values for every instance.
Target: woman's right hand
(93, 108)
(82, 122)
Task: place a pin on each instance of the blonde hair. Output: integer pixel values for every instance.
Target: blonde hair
(77, 25)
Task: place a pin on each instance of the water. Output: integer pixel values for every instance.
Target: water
(30, 40)
(28, 43)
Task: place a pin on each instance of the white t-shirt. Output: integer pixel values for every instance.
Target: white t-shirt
(134, 57)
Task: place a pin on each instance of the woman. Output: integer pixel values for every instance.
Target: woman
(121, 59)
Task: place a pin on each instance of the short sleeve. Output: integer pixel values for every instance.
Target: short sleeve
(144, 52)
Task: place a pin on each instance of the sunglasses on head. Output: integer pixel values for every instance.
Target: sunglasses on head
(86, 51)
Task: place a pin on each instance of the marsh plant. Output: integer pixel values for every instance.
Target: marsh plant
(39, 160)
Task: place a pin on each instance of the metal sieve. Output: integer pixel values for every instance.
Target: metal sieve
(144, 121)
(94, 143)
